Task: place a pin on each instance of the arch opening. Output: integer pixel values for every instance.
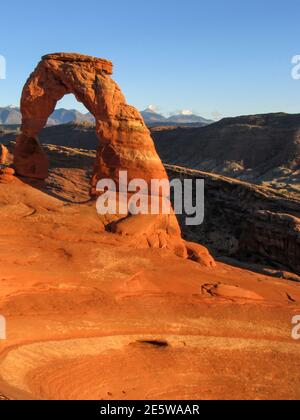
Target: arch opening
(69, 110)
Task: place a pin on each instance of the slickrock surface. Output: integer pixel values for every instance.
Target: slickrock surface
(90, 316)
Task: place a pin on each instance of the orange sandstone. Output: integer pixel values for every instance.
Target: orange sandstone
(125, 143)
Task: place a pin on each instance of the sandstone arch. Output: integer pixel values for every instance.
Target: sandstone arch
(125, 143)
(124, 140)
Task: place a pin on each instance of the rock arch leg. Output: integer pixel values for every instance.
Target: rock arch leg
(37, 104)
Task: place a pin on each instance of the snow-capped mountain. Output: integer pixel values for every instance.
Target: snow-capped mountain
(11, 115)
(151, 117)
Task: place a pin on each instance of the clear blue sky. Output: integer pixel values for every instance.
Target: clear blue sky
(227, 56)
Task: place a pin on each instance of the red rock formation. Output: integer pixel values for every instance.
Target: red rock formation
(125, 143)
(29, 158)
(3, 154)
(124, 140)
(200, 254)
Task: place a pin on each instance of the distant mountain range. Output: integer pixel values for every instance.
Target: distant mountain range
(65, 116)
(11, 115)
(153, 118)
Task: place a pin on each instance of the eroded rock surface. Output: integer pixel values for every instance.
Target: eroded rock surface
(91, 316)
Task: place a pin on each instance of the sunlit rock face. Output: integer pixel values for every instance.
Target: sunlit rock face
(125, 143)
(3, 154)
(124, 140)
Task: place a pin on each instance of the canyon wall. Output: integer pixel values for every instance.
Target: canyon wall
(245, 221)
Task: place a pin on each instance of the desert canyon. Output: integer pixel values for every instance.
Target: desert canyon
(107, 307)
